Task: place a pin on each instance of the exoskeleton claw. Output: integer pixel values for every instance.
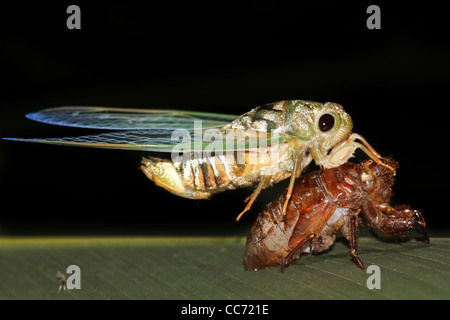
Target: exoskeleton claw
(420, 225)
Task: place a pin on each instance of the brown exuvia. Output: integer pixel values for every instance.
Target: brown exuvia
(325, 202)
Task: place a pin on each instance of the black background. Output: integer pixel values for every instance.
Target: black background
(220, 57)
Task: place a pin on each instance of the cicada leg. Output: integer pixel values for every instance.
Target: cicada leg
(293, 252)
(296, 171)
(342, 152)
(420, 225)
(264, 183)
(401, 218)
(353, 233)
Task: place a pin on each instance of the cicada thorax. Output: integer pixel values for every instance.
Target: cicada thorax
(343, 185)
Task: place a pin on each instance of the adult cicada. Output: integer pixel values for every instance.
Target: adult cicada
(324, 202)
(213, 152)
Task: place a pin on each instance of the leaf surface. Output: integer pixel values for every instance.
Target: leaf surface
(212, 268)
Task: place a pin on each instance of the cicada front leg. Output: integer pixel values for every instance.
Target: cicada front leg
(353, 234)
(341, 153)
(401, 219)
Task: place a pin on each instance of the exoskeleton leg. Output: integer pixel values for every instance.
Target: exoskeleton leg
(291, 255)
(353, 234)
(401, 219)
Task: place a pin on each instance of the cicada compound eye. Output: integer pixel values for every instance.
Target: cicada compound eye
(326, 122)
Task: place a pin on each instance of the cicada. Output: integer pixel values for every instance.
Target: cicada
(324, 202)
(220, 152)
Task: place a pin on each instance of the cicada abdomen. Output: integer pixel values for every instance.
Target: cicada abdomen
(200, 175)
(323, 203)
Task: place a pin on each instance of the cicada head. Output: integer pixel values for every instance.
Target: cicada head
(322, 125)
(332, 125)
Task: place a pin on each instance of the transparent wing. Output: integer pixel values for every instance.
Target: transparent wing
(150, 130)
(128, 119)
(145, 140)
(167, 140)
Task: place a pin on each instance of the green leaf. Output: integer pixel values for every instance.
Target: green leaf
(212, 268)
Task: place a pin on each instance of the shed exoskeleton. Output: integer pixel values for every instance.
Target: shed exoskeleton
(325, 202)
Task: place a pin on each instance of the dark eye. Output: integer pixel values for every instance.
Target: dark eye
(326, 122)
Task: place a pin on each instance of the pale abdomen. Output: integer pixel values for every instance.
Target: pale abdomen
(200, 178)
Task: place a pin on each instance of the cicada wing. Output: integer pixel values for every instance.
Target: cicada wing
(143, 140)
(167, 140)
(129, 119)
